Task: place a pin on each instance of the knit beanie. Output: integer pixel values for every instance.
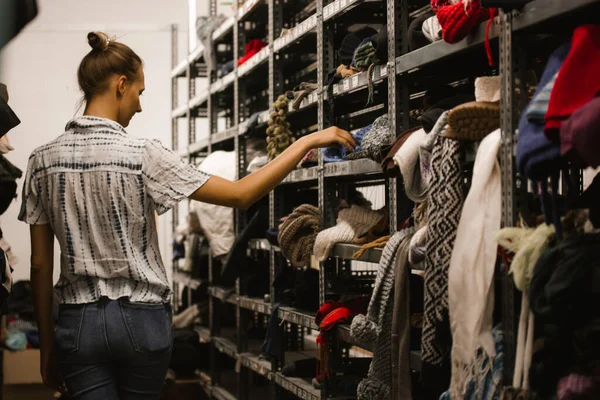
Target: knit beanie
(337, 154)
(380, 40)
(407, 158)
(297, 235)
(578, 81)
(376, 326)
(579, 139)
(351, 222)
(416, 36)
(537, 157)
(432, 114)
(458, 20)
(374, 140)
(350, 42)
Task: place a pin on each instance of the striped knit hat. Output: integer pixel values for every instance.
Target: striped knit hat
(297, 235)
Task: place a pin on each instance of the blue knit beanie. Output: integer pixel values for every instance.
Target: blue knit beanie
(537, 157)
(338, 154)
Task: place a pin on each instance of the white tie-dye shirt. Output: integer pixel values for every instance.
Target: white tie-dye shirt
(99, 189)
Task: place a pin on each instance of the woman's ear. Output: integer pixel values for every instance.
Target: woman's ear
(122, 83)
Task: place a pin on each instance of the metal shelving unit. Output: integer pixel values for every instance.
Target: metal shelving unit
(229, 101)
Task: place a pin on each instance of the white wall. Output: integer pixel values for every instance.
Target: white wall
(40, 65)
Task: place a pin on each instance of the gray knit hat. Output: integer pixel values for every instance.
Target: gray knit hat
(374, 140)
(298, 233)
(376, 326)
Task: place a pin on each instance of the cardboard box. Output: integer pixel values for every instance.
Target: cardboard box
(21, 367)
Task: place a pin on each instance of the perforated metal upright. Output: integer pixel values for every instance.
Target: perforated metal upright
(174, 144)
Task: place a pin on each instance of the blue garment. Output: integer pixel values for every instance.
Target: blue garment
(492, 383)
(114, 349)
(536, 112)
(537, 157)
(338, 154)
(16, 341)
(274, 345)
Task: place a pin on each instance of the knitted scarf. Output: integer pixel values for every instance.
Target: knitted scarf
(445, 204)
(298, 233)
(471, 272)
(376, 326)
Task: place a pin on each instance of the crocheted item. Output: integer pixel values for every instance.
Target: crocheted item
(432, 29)
(374, 141)
(471, 271)
(445, 205)
(351, 222)
(279, 136)
(298, 233)
(458, 20)
(376, 326)
(487, 88)
(365, 58)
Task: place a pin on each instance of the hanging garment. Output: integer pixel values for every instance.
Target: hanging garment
(579, 139)
(445, 205)
(14, 16)
(376, 326)
(8, 183)
(217, 221)
(578, 81)
(401, 375)
(471, 271)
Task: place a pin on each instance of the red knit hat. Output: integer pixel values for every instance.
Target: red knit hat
(578, 80)
(459, 19)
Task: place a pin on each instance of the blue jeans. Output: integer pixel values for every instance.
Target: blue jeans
(114, 349)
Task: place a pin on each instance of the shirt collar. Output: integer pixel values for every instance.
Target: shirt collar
(87, 122)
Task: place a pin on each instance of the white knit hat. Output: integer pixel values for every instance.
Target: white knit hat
(351, 222)
(407, 158)
(487, 88)
(418, 247)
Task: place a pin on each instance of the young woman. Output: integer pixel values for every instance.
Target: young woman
(97, 190)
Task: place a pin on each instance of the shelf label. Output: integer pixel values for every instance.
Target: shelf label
(346, 85)
(383, 71)
(342, 4)
(336, 6)
(355, 81)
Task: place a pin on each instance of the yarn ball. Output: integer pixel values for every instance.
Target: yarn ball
(363, 329)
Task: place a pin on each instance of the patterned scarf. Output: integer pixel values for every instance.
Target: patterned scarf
(445, 204)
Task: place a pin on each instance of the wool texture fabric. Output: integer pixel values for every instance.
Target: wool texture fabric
(350, 42)
(279, 136)
(471, 271)
(340, 153)
(579, 139)
(401, 375)
(426, 150)
(377, 243)
(418, 247)
(298, 233)
(537, 157)
(536, 112)
(434, 112)
(376, 326)
(487, 88)
(458, 20)
(408, 160)
(365, 58)
(578, 81)
(374, 141)
(578, 387)
(445, 204)
(432, 29)
(252, 48)
(351, 222)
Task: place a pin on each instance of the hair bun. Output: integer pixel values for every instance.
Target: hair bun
(98, 40)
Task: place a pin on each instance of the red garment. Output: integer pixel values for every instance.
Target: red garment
(332, 313)
(580, 135)
(458, 20)
(578, 80)
(252, 47)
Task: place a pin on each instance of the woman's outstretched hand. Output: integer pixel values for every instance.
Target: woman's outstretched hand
(330, 137)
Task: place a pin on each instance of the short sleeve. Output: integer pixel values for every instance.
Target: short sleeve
(32, 209)
(167, 177)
